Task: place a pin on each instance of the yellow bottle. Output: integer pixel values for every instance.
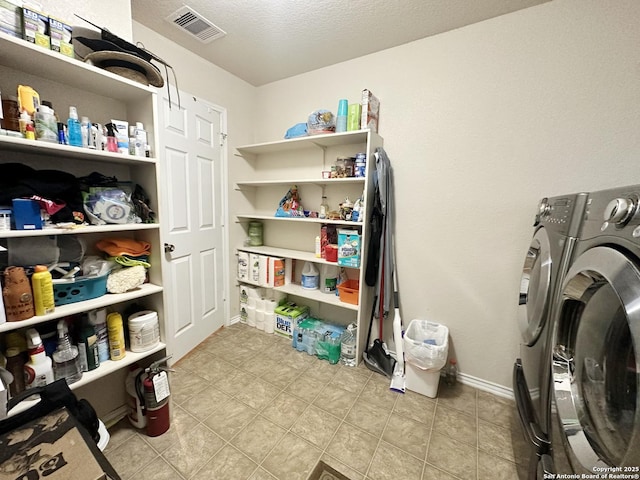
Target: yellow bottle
(115, 330)
(42, 285)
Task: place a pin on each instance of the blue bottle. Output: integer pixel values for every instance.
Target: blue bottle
(74, 131)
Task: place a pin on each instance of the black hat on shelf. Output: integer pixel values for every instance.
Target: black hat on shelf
(115, 55)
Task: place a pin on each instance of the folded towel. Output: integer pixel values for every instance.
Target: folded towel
(115, 247)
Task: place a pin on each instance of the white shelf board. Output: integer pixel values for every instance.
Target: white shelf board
(245, 217)
(315, 295)
(79, 229)
(105, 368)
(288, 253)
(27, 57)
(23, 145)
(322, 141)
(81, 307)
(317, 181)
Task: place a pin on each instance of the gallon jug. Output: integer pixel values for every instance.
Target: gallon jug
(310, 276)
(329, 279)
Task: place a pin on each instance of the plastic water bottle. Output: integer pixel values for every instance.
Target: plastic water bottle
(348, 346)
(451, 372)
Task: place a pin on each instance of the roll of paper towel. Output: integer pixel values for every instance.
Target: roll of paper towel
(278, 296)
(254, 267)
(260, 319)
(270, 305)
(251, 316)
(247, 292)
(264, 271)
(269, 322)
(243, 266)
(252, 302)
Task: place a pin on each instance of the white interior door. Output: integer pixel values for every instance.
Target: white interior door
(191, 142)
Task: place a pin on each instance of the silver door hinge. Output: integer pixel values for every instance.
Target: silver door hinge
(223, 138)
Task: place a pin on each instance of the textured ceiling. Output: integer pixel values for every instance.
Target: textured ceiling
(268, 40)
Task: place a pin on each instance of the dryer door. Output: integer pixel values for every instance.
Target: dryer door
(596, 354)
(535, 286)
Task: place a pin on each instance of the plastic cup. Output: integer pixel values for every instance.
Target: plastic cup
(343, 106)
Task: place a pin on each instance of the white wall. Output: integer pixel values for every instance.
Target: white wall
(115, 15)
(205, 80)
(479, 124)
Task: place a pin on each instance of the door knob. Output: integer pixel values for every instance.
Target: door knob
(168, 247)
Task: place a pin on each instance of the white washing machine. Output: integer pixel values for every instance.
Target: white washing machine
(556, 228)
(596, 345)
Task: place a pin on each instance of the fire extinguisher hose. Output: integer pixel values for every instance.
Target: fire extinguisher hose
(140, 391)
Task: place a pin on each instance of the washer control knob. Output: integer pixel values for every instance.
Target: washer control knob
(618, 210)
(544, 208)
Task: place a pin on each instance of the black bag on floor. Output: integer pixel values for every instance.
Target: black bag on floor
(52, 397)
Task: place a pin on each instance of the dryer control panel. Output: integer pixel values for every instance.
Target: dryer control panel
(557, 213)
(614, 211)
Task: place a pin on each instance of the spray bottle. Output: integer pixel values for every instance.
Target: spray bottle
(37, 371)
(112, 141)
(85, 131)
(74, 131)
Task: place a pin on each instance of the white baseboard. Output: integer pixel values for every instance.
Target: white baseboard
(486, 386)
(113, 417)
(234, 320)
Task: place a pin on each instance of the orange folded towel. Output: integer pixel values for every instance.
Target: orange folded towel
(124, 246)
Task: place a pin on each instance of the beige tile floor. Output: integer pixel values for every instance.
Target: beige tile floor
(245, 405)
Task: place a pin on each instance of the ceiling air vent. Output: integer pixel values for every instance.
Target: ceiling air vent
(193, 23)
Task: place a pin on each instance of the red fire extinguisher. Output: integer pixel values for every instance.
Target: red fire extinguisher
(152, 387)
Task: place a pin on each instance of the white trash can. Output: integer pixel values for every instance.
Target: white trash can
(426, 346)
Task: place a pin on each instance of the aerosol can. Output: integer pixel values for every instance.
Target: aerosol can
(152, 388)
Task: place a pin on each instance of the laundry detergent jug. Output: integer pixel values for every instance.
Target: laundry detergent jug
(310, 276)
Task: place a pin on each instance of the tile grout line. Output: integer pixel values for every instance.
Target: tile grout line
(380, 438)
(342, 421)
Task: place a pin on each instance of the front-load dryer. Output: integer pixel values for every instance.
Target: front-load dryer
(556, 227)
(596, 345)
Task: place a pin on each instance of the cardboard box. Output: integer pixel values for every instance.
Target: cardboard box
(370, 111)
(26, 214)
(11, 17)
(276, 271)
(349, 248)
(53, 447)
(60, 34)
(35, 27)
(287, 316)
